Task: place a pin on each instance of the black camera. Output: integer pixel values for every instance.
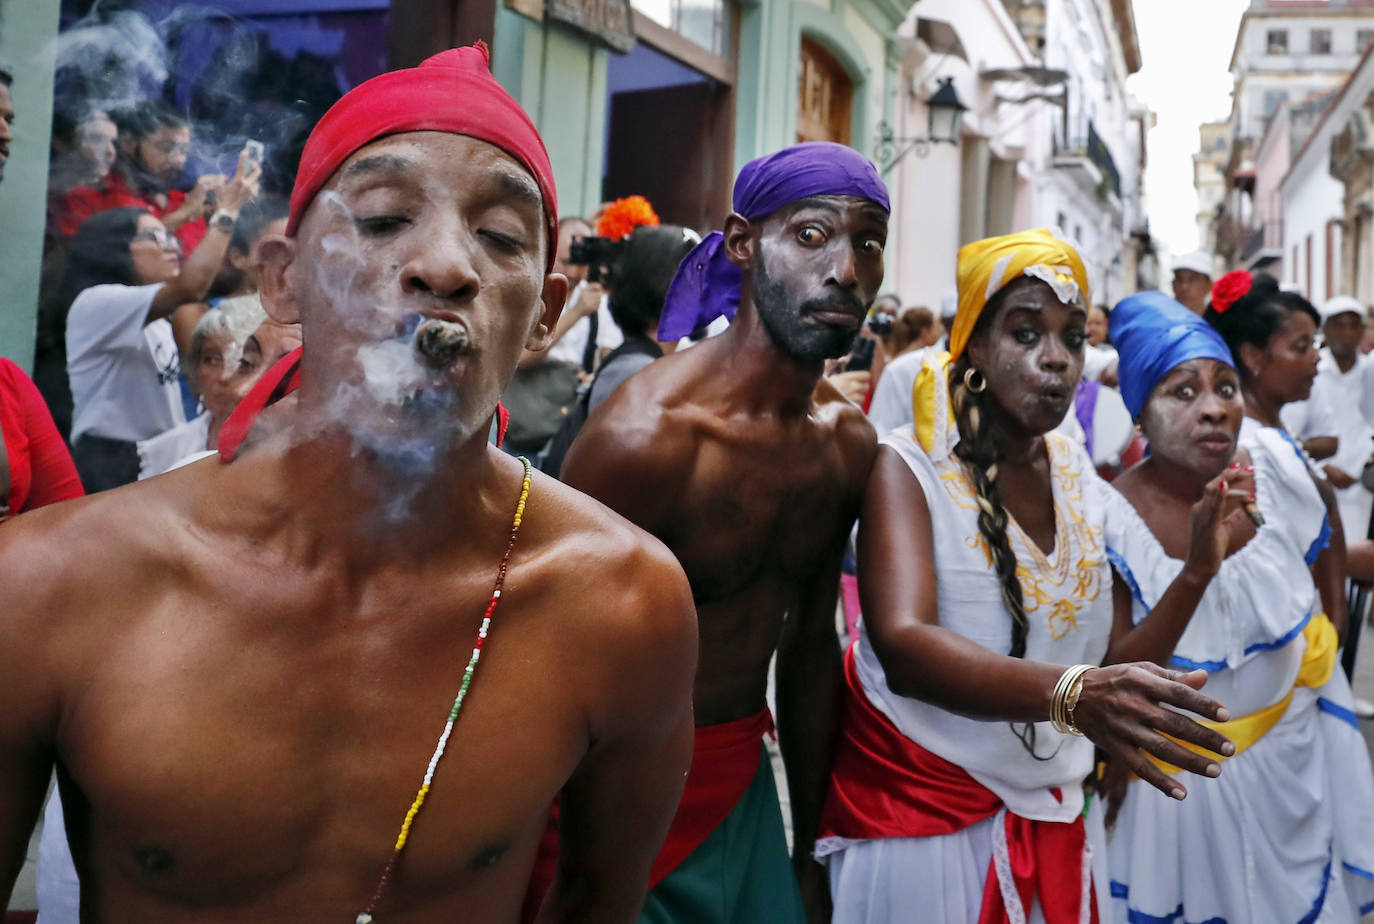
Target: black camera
(595, 253)
(861, 357)
(881, 322)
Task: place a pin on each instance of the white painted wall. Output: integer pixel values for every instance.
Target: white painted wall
(1311, 198)
(1082, 39)
(927, 192)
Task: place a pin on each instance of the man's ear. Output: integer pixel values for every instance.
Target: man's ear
(741, 241)
(554, 296)
(276, 262)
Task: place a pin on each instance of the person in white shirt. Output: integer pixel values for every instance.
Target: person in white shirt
(1099, 356)
(1348, 377)
(1193, 274)
(126, 278)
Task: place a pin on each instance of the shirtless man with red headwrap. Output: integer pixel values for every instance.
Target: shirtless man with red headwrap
(240, 670)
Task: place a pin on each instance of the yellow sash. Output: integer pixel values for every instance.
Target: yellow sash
(1317, 664)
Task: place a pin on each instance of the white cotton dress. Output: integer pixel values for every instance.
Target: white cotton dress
(1068, 598)
(1286, 833)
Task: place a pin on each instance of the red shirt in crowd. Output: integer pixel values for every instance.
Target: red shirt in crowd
(41, 468)
(81, 202)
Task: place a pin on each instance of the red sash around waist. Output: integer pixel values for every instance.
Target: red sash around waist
(725, 758)
(886, 785)
(276, 383)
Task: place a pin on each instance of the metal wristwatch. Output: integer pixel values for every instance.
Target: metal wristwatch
(223, 221)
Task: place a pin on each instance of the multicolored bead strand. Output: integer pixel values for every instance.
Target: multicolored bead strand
(366, 916)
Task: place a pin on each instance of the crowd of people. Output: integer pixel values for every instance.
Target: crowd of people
(1054, 593)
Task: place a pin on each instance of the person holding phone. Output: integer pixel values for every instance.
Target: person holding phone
(125, 280)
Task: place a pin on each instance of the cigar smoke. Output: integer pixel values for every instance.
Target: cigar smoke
(223, 72)
(399, 405)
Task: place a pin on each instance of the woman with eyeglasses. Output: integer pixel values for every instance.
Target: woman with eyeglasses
(126, 278)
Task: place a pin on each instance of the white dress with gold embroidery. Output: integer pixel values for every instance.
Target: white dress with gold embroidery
(1286, 833)
(1069, 601)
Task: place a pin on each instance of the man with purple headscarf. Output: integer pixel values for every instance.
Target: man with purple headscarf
(741, 457)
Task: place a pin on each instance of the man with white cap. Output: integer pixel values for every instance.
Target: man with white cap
(1347, 377)
(1193, 274)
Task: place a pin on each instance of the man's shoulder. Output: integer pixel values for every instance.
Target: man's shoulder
(645, 416)
(584, 536)
(602, 567)
(62, 563)
(88, 534)
(854, 434)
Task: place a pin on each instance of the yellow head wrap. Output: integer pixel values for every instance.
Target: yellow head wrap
(985, 267)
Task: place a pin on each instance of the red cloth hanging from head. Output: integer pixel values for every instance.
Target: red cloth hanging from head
(885, 785)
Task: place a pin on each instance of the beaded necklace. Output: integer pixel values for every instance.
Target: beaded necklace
(365, 917)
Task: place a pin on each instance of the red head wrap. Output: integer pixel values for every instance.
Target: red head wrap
(451, 92)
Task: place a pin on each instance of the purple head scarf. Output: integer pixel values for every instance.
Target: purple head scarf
(707, 284)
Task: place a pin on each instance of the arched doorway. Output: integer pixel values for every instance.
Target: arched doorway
(825, 96)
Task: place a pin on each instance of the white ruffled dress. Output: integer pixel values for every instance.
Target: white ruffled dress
(1068, 597)
(1286, 833)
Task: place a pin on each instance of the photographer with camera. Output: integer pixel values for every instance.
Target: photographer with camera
(857, 374)
(642, 267)
(546, 381)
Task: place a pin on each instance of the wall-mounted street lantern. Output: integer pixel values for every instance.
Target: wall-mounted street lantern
(946, 117)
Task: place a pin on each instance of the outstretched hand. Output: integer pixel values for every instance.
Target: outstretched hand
(1218, 520)
(1123, 710)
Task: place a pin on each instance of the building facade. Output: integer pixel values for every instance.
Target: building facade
(1288, 56)
(1336, 171)
(1209, 179)
(1051, 138)
(1087, 164)
(663, 98)
(703, 88)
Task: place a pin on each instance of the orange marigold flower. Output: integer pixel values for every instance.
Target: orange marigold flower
(622, 216)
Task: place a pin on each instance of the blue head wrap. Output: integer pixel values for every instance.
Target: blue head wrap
(707, 284)
(1152, 334)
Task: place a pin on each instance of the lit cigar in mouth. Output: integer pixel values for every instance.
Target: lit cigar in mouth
(438, 343)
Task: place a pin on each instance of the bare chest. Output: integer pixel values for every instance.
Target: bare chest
(242, 759)
(755, 515)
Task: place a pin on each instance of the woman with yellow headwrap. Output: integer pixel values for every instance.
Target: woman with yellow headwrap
(957, 789)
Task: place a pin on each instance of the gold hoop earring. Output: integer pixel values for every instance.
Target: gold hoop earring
(969, 380)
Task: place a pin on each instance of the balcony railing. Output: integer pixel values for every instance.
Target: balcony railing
(1266, 239)
(1091, 147)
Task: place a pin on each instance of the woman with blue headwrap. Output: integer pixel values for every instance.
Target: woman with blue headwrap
(1262, 842)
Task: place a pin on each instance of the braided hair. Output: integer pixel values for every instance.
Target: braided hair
(981, 454)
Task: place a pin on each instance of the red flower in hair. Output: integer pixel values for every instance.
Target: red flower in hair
(1230, 288)
(622, 216)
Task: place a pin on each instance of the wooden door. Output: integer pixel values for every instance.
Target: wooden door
(825, 96)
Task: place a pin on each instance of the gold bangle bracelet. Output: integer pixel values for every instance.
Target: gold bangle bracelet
(1064, 699)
